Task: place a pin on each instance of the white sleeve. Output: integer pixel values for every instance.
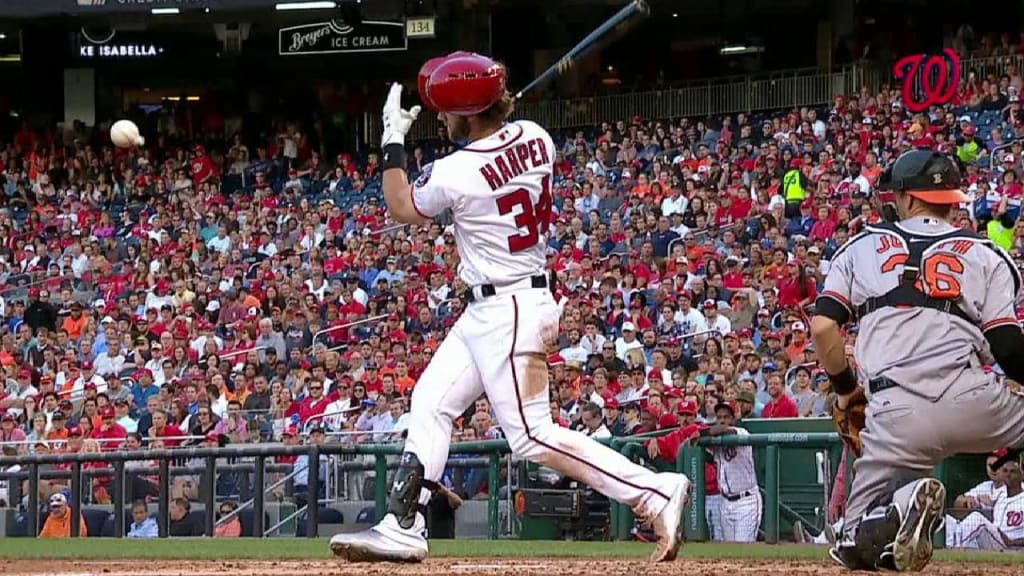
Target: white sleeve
(430, 195)
(981, 489)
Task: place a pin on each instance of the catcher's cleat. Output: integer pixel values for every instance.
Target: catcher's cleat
(846, 555)
(668, 524)
(912, 548)
(385, 542)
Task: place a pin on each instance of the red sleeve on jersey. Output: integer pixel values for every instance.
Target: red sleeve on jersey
(711, 479)
(668, 445)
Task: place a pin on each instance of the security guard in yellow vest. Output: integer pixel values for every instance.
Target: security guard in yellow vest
(794, 188)
(968, 146)
(1000, 230)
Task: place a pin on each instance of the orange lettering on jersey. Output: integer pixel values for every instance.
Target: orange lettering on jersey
(959, 246)
(943, 284)
(888, 243)
(893, 261)
(491, 175)
(506, 174)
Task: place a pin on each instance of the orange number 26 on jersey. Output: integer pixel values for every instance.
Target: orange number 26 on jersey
(938, 271)
(532, 220)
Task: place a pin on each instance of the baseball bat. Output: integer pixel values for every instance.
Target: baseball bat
(614, 28)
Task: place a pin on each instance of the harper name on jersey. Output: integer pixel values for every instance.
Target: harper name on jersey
(515, 160)
(499, 190)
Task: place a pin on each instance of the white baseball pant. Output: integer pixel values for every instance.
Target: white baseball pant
(741, 518)
(713, 514)
(983, 534)
(499, 346)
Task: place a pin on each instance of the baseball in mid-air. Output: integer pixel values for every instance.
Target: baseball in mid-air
(125, 134)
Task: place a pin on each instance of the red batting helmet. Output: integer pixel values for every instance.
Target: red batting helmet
(426, 70)
(462, 83)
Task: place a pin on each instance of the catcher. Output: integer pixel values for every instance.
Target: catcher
(935, 303)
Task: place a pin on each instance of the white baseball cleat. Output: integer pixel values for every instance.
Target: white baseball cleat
(387, 541)
(668, 524)
(912, 548)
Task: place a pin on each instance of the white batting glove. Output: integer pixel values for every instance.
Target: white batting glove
(397, 121)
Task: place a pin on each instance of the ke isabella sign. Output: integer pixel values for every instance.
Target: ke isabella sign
(92, 46)
(119, 51)
(337, 37)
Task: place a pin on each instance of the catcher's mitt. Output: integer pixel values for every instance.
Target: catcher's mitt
(852, 419)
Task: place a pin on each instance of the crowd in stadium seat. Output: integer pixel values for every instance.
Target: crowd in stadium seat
(208, 293)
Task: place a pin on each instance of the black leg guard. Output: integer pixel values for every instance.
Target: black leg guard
(871, 548)
(404, 501)
(875, 536)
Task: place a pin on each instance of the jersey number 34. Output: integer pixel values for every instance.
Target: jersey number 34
(532, 220)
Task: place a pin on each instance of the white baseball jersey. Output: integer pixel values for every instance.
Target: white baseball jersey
(1008, 515)
(736, 473)
(499, 191)
(987, 488)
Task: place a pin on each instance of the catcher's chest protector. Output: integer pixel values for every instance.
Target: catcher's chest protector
(910, 292)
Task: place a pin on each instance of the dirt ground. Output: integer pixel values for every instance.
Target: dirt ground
(449, 566)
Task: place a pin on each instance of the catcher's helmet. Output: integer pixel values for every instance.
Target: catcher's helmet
(926, 175)
(462, 83)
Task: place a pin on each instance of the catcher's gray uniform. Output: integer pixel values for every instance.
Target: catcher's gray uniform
(922, 365)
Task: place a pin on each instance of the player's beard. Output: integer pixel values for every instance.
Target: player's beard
(458, 128)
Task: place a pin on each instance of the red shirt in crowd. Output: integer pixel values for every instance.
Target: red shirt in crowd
(781, 407)
(169, 431)
(110, 438)
(311, 407)
(789, 291)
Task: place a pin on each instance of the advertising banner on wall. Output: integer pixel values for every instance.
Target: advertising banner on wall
(338, 37)
(112, 45)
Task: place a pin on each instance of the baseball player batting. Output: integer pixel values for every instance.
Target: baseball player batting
(935, 303)
(497, 188)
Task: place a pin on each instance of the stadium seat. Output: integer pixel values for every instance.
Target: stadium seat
(95, 520)
(327, 516)
(246, 518)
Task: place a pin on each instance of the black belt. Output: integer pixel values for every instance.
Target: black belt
(876, 385)
(488, 290)
(736, 497)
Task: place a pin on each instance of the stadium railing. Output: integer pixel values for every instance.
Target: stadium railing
(258, 459)
(726, 95)
(779, 90)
